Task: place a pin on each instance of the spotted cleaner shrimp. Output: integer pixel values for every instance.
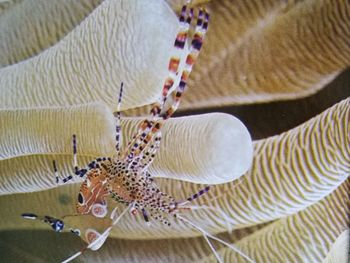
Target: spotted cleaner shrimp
(125, 178)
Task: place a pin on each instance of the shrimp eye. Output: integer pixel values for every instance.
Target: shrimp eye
(80, 198)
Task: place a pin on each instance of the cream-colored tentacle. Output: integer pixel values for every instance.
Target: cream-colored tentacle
(187, 151)
(261, 51)
(339, 251)
(114, 43)
(29, 27)
(304, 237)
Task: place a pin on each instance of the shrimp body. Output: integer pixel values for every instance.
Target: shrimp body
(116, 179)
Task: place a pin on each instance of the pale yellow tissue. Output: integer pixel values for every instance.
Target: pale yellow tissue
(116, 43)
(29, 27)
(260, 51)
(339, 252)
(28, 149)
(50, 130)
(306, 236)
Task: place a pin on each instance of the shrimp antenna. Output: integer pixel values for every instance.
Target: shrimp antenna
(206, 235)
(227, 219)
(118, 127)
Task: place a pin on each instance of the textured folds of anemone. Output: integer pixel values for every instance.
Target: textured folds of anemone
(311, 233)
(60, 57)
(266, 50)
(48, 22)
(82, 67)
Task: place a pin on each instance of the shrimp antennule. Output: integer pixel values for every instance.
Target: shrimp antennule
(206, 234)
